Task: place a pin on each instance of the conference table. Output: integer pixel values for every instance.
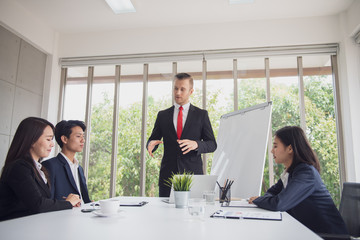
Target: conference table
(155, 220)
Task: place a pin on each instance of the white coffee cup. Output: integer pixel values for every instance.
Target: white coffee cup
(109, 206)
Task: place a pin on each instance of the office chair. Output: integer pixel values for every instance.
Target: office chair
(350, 212)
(350, 207)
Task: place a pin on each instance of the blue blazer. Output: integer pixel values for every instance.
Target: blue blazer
(62, 182)
(306, 199)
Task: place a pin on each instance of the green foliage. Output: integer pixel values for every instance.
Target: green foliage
(181, 182)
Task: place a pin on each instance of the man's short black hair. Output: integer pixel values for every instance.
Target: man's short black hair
(183, 76)
(64, 127)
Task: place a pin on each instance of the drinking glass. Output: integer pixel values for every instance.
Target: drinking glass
(196, 207)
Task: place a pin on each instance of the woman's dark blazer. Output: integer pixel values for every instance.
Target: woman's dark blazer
(306, 199)
(23, 193)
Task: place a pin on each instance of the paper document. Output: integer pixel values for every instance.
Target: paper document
(240, 204)
(248, 215)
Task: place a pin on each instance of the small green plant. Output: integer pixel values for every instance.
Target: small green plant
(181, 182)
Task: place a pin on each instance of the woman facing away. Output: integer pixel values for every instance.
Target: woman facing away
(24, 185)
(300, 191)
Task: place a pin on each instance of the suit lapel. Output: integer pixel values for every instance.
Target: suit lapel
(42, 184)
(170, 118)
(82, 181)
(67, 170)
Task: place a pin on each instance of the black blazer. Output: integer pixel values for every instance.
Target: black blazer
(62, 181)
(22, 193)
(306, 199)
(197, 127)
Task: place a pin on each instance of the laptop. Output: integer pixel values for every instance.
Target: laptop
(200, 184)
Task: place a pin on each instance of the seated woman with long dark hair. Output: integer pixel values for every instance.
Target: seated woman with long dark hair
(24, 185)
(300, 191)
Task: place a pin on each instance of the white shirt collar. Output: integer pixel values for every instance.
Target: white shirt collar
(76, 162)
(185, 106)
(38, 165)
(38, 168)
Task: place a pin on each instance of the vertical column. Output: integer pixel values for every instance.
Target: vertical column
(268, 99)
(339, 124)
(143, 130)
(236, 95)
(85, 161)
(301, 93)
(174, 72)
(63, 79)
(115, 131)
(204, 77)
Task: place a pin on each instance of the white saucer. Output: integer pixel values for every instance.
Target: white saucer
(101, 214)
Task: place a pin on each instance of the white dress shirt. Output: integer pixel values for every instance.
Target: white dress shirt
(38, 168)
(284, 178)
(74, 167)
(185, 114)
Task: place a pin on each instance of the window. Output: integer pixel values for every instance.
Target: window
(321, 119)
(129, 138)
(230, 82)
(159, 98)
(75, 97)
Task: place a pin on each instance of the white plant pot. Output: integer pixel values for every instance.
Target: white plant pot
(181, 199)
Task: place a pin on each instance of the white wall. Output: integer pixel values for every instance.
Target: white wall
(26, 25)
(22, 71)
(349, 75)
(202, 37)
(352, 16)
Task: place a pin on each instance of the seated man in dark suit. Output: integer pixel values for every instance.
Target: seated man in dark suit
(66, 175)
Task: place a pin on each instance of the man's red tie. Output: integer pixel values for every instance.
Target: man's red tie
(179, 122)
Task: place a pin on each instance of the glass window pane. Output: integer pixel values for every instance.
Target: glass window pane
(252, 90)
(251, 82)
(320, 119)
(284, 94)
(219, 94)
(75, 97)
(102, 104)
(129, 139)
(75, 94)
(159, 98)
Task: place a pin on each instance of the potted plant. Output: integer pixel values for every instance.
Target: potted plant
(181, 185)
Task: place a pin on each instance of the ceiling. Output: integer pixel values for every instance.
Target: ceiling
(69, 16)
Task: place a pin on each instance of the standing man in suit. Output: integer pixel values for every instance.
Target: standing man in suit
(186, 132)
(66, 175)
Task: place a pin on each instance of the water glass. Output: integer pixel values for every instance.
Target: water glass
(196, 207)
(209, 197)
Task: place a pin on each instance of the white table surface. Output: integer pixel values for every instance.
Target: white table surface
(156, 220)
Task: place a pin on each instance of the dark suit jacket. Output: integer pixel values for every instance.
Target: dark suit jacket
(62, 181)
(22, 193)
(306, 199)
(197, 127)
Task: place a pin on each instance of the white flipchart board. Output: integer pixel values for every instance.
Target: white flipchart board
(241, 149)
